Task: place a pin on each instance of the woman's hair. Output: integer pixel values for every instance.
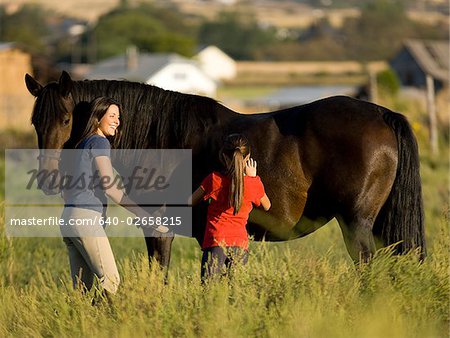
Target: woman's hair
(86, 120)
(235, 148)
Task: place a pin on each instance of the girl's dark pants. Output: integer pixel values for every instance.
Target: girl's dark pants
(217, 260)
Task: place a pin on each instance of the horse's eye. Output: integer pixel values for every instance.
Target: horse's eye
(66, 122)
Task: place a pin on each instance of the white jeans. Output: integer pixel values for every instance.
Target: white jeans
(90, 253)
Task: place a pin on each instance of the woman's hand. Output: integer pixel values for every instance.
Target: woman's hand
(162, 229)
(250, 167)
(145, 225)
(159, 213)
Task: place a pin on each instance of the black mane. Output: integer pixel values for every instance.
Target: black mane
(152, 117)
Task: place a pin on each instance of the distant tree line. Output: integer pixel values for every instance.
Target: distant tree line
(376, 34)
(410, 4)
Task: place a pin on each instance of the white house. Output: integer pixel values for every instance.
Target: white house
(167, 71)
(216, 64)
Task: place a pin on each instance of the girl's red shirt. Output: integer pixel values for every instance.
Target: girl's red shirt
(222, 227)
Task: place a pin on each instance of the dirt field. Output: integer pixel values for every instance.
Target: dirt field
(283, 73)
(345, 67)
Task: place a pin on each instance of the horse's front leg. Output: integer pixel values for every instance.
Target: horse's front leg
(158, 248)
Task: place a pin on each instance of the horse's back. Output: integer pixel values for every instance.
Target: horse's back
(339, 130)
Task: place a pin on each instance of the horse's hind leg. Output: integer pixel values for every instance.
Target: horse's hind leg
(358, 237)
(371, 176)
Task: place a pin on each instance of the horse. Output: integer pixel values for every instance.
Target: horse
(336, 157)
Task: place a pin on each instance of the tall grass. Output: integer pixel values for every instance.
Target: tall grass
(281, 292)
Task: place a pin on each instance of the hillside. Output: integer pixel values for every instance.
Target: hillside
(282, 14)
(88, 10)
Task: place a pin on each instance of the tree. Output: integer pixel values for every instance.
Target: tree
(237, 34)
(388, 82)
(146, 27)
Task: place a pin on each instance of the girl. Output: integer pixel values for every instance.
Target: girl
(90, 253)
(232, 194)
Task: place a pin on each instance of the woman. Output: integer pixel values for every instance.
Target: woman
(90, 253)
(232, 194)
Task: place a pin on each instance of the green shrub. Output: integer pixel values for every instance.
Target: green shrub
(388, 82)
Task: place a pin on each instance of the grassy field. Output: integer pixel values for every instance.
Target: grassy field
(303, 288)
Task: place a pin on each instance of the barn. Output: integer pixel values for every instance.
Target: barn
(419, 58)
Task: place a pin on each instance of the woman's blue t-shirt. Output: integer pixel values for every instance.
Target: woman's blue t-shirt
(82, 188)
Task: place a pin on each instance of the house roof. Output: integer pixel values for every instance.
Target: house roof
(432, 56)
(215, 49)
(117, 68)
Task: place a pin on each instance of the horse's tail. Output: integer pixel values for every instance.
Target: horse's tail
(401, 219)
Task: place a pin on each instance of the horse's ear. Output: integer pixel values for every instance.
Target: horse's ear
(65, 84)
(33, 86)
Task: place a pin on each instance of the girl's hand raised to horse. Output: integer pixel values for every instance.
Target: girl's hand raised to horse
(250, 167)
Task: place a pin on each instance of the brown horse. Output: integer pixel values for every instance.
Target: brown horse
(333, 158)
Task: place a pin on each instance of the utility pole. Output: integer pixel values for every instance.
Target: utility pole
(431, 108)
(91, 44)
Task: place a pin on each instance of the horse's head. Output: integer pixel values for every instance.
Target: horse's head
(52, 120)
